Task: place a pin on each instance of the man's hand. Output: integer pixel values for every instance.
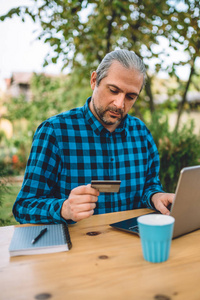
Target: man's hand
(80, 204)
(162, 201)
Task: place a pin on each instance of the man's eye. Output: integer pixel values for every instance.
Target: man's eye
(130, 97)
(113, 91)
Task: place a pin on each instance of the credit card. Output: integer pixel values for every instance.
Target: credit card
(106, 186)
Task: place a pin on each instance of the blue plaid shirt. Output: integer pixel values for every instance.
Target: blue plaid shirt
(71, 149)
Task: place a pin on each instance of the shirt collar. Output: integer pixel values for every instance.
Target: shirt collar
(97, 126)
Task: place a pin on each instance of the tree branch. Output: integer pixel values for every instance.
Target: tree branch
(183, 101)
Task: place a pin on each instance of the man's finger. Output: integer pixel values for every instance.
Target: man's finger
(82, 215)
(163, 209)
(75, 199)
(84, 190)
(171, 197)
(85, 207)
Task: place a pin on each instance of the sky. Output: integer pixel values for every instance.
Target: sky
(20, 51)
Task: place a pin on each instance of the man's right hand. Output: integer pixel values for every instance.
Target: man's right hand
(80, 204)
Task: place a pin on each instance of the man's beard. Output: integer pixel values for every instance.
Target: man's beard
(101, 113)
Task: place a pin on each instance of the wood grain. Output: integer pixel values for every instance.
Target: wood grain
(106, 265)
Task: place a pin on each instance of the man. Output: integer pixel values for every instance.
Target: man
(97, 141)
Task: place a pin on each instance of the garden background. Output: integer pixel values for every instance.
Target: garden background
(165, 34)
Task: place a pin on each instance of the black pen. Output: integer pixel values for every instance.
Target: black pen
(42, 232)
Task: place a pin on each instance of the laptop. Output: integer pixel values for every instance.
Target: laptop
(185, 207)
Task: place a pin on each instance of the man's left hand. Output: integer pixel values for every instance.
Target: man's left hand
(162, 201)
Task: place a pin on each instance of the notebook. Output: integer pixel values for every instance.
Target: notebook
(185, 208)
(55, 239)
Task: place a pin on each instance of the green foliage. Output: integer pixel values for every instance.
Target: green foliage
(80, 33)
(3, 190)
(9, 196)
(50, 96)
(176, 149)
(2, 135)
(2, 186)
(14, 152)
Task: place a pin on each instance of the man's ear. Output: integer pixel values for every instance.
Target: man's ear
(93, 80)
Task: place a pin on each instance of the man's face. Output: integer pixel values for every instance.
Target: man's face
(115, 95)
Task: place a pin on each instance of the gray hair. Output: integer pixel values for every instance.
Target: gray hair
(125, 57)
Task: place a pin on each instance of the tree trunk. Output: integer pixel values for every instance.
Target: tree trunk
(148, 90)
(183, 101)
(109, 32)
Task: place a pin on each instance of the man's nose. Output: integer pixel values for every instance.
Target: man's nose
(119, 101)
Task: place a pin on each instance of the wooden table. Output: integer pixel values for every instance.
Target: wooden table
(108, 265)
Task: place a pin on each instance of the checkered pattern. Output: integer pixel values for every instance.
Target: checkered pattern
(73, 148)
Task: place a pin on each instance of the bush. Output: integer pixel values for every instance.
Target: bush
(176, 149)
(3, 189)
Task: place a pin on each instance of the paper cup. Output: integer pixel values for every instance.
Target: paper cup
(156, 235)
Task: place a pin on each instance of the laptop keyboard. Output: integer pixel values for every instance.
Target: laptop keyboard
(134, 228)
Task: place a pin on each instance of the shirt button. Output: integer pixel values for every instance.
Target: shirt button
(112, 159)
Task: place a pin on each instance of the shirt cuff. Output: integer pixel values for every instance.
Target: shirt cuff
(55, 212)
(148, 197)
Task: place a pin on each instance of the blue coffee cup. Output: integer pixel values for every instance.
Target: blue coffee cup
(156, 235)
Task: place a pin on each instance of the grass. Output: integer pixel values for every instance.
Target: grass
(8, 199)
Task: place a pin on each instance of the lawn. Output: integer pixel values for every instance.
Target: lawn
(8, 200)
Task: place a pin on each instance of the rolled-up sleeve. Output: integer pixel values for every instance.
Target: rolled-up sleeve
(37, 201)
(152, 183)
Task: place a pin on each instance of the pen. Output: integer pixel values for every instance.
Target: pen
(42, 232)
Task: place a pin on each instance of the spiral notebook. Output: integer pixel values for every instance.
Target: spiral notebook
(55, 239)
